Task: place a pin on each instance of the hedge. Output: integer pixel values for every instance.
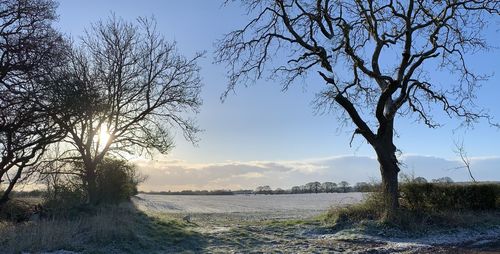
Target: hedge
(424, 196)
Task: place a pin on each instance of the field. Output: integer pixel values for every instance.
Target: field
(234, 224)
(293, 224)
(280, 206)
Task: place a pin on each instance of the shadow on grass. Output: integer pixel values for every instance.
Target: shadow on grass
(114, 229)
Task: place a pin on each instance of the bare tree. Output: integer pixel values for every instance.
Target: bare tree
(29, 49)
(121, 91)
(313, 187)
(445, 179)
(57, 172)
(420, 180)
(376, 58)
(328, 187)
(296, 189)
(344, 186)
(263, 190)
(460, 151)
(363, 187)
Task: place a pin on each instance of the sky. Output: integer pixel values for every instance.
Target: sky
(262, 136)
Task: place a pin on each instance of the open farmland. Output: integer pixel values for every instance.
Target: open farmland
(286, 205)
(290, 224)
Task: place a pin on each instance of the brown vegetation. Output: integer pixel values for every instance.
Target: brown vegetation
(428, 206)
(120, 229)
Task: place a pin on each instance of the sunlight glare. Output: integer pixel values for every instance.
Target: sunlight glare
(103, 136)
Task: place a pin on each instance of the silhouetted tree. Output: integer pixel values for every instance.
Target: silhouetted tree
(460, 151)
(29, 49)
(375, 58)
(263, 190)
(328, 187)
(420, 180)
(363, 187)
(122, 90)
(296, 189)
(445, 179)
(313, 187)
(344, 186)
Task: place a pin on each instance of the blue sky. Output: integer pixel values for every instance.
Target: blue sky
(260, 125)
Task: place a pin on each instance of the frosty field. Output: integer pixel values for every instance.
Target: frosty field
(285, 224)
(287, 205)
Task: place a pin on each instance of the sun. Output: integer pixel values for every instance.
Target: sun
(103, 136)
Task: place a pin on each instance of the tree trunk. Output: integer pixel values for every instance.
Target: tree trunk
(3, 200)
(91, 182)
(389, 169)
(5, 195)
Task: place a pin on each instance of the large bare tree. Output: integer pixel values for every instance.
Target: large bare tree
(377, 58)
(29, 48)
(122, 90)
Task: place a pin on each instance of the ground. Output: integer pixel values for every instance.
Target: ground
(233, 224)
(271, 224)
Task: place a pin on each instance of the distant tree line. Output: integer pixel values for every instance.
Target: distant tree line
(325, 187)
(198, 192)
(408, 178)
(311, 187)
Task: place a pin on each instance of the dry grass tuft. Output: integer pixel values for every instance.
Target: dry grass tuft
(120, 229)
(410, 220)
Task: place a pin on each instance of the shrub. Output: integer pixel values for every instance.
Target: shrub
(117, 181)
(432, 196)
(369, 209)
(416, 219)
(16, 210)
(424, 207)
(66, 202)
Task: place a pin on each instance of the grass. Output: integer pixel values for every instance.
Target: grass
(288, 223)
(18, 209)
(370, 214)
(121, 229)
(125, 229)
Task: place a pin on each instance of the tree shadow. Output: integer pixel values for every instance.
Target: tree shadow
(104, 229)
(142, 232)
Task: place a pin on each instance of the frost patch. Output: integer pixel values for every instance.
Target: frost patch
(475, 238)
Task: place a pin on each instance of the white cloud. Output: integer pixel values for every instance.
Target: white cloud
(252, 175)
(180, 175)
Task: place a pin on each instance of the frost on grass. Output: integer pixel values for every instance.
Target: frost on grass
(306, 203)
(475, 238)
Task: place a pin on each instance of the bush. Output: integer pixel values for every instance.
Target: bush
(16, 210)
(117, 181)
(65, 202)
(433, 196)
(370, 209)
(370, 213)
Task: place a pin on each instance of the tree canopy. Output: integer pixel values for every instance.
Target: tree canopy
(29, 49)
(121, 90)
(377, 59)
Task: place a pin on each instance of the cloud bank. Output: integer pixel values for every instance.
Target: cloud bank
(178, 175)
